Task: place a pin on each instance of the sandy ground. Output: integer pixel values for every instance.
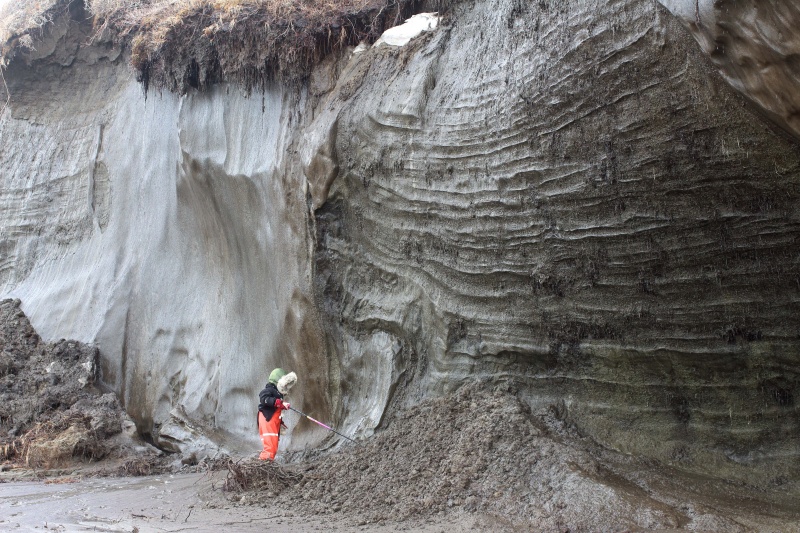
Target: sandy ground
(180, 502)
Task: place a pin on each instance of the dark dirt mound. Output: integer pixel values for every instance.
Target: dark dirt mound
(455, 451)
(51, 413)
(482, 451)
(479, 450)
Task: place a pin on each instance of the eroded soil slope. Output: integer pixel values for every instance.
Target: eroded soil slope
(478, 455)
(481, 451)
(51, 412)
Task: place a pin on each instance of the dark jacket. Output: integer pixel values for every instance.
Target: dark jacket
(267, 399)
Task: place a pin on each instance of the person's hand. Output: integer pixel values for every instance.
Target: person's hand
(280, 404)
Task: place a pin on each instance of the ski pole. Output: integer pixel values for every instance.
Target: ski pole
(321, 424)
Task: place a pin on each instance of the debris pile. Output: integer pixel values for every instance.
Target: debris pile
(254, 474)
(482, 451)
(51, 412)
(478, 450)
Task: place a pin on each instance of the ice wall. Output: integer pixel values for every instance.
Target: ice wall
(566, 196)
(170, 231)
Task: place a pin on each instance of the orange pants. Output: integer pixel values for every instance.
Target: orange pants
(270, 432)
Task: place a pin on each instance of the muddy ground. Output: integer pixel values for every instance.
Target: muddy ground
(437, 468)
(475, 459)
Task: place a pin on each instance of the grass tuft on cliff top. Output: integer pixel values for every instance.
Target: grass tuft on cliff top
(180, 45)
(20, 21)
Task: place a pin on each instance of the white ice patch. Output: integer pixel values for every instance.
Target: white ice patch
(401, 35)
(362, 47)
(88, 366)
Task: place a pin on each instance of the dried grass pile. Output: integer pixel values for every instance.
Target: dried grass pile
(54, 442)
(137, 467)
(255, 475)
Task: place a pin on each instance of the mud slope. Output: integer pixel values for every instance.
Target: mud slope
(51, 412)
(481, 452)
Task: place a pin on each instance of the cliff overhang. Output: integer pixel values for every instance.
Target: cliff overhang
(183, 46)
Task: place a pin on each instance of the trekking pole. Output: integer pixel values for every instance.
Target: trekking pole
(321, 424)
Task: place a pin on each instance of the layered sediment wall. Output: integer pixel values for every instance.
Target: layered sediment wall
(565, 196)
(570, 199)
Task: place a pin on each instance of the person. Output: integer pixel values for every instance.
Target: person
(270, 410)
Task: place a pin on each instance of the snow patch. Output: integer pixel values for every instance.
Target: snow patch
(402, 34)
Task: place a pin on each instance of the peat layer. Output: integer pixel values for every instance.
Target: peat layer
(194, 45)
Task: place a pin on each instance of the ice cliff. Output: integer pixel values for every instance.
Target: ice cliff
(572, 197)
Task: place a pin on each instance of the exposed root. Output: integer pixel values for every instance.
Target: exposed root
(181, 45)
(250, 475)
(59, 439)
(253, 43)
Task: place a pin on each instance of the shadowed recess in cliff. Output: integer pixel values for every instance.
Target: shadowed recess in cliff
(756, 47)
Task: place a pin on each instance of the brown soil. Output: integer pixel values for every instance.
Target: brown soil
(254, 43)
(482, 452)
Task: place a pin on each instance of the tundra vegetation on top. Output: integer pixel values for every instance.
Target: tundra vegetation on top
(191, 44)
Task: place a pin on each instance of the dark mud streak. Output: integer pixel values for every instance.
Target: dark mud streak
(122, 380)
